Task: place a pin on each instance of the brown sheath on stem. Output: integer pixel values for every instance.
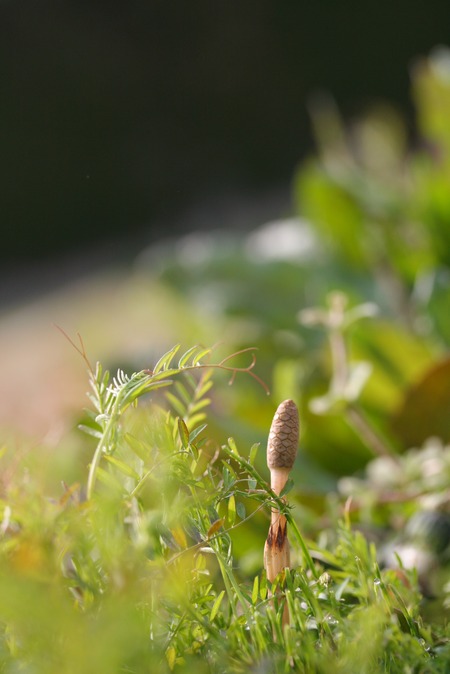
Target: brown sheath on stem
(281, 453)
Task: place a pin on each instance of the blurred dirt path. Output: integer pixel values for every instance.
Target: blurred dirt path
(124, 320)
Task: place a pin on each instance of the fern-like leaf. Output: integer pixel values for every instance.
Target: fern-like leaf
(165, 360)
(111, 398)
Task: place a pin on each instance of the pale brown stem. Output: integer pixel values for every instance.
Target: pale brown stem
(276, 550)
(281, 452)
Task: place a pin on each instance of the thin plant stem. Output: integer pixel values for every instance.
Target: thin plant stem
(201, 544)
(230, 585)
(357, 419)
(93, 468)
(280, 503)
(339, 358)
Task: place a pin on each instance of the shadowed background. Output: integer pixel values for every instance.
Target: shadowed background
(120, 118)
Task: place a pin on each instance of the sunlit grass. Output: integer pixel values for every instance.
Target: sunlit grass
(143, 573)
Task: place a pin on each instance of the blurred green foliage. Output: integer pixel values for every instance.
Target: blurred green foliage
(153, 563)
(375, 224)
(138, 572)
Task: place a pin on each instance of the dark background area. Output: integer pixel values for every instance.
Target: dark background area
(116, 117)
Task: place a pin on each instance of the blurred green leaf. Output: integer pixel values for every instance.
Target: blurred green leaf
(183, 433)
(425, 409)
(165, 360)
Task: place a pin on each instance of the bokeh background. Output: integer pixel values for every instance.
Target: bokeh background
(145, 147)
(121, 119)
